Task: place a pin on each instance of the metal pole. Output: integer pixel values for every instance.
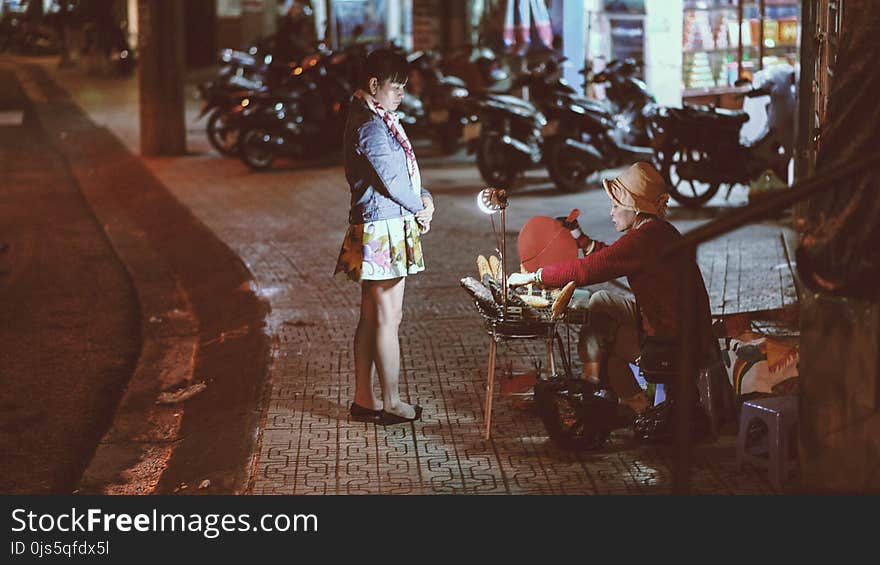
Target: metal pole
(761, 37)
(503, 252)
(686, 385)
(739, 40)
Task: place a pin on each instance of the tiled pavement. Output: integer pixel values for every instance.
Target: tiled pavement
(286, 226)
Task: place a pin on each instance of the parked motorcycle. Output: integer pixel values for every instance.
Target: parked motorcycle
(506, 138)
(582, 135)
(226, 107)
(444, 99)
(698, 148)
(629, 100)
(19, 35)
(302, 119)
(514, 134)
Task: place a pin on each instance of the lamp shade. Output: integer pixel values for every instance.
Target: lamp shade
(491, 200)
(543, 241)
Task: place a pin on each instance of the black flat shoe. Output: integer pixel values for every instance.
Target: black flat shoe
(360, 414)
(389, 419)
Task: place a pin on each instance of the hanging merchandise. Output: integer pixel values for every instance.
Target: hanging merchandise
(521, 17)
(541, 19)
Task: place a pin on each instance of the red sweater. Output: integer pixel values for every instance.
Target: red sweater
(656, 287)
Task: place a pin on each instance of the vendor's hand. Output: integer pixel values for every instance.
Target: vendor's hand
(520, 279)
(570, 222)
(424, 227)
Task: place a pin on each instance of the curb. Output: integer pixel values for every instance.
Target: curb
(191, 288)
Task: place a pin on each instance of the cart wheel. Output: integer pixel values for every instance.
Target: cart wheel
(688, 192)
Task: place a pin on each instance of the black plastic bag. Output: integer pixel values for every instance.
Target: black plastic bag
(576, 413)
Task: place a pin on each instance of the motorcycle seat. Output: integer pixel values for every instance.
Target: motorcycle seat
(590, 103)
(450, 80)
(733, 116)
(510, 100)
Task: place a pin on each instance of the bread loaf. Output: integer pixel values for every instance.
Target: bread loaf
(483, 267)
(561, 302)
(495, 266)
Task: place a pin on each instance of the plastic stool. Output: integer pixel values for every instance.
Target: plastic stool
(780, 415)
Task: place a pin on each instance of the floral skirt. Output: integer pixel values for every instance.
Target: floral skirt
(381, 250)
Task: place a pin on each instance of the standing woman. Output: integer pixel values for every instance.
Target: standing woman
(390, 211)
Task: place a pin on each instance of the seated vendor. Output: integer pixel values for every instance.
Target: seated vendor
(615, 325)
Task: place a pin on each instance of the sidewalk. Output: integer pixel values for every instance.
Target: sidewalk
(286, 227)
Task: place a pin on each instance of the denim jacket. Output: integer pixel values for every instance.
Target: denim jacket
(376, 170)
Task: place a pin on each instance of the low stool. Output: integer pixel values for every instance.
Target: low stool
(780, 415)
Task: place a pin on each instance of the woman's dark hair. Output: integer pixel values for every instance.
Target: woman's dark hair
(384, 64)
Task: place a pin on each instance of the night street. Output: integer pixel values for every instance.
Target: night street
(304, 442)
(692, 185)
(70, 331)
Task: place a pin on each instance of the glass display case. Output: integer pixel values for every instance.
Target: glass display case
(725, 39)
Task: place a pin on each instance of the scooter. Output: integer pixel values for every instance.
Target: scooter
(446, 110)
(582, 137)
(512, 133)
(226, 106)
(303, 119)
(699, 148)
(628, 97)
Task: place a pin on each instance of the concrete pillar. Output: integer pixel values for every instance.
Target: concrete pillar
(162, 123)
(573, 15)
(393, 19)
(663, 56)
(132, 10)
(251, 20)
(456, 35)
(426, 25)
(270, 17)
(321, 18)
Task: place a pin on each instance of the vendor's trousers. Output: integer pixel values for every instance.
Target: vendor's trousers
(610, 338)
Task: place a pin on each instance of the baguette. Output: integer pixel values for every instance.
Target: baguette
(483, 267)
(495, 267)
(561, 302)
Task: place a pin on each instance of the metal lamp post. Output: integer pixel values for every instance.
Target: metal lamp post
(489, 201)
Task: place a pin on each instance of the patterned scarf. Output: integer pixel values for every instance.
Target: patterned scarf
(393, 125)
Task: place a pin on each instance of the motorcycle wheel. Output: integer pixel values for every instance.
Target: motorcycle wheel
(568, 170)
(254, 150)
(688, 193)
(493, 164)
(222, 135)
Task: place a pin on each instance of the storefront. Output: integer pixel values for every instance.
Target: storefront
(694, 50)
(726, 39)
